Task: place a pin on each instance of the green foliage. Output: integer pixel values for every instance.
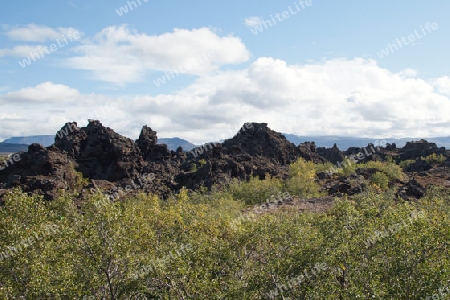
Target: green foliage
(256, 191)
(202, 246)
(392, 171)
(403, 164)
(81, 181)
(326, 167)
(302, 179)
(381, 180)
(434, 158)
(389, 159)
(349, 167)
(431, 159)
(202, 162)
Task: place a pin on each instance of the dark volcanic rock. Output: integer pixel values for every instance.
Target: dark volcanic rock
(308, 151)
(419, 165)
(255, 150)
(411, 191)
(71, 145)
(120, 166)
(354, 184)
(101, 155)
(414, 150)
(365, 154)
(41, 170)
(147, 142)
(259, 140)
(333, 155)
(100, 152)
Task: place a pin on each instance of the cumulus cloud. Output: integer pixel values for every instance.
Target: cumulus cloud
(443, 85)
(46, 107)
(338, 97)
(347, 97)
(46, 92)
(37, 33)
(120, 55)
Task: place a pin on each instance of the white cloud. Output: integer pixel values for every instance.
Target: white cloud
(253, 21)
(443, 85)
(338, 97)
(45, 108)
(408, 73)
(120, 55)
(38, 33)
(46, 92)
(21, 51)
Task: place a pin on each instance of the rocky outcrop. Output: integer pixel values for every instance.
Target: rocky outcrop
(43, 170)
(83, 159)
(411, 191)
(351, 185)
(100, 152)
(333, 155)
(419, 165)
(255, 150)
(414, 150)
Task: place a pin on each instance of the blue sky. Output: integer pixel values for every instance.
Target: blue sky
(318, 71)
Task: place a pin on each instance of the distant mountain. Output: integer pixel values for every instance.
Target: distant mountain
(6, 148)
(346, 142)
(441, 141)
(173, 143)
(45, 140)
(20, 143)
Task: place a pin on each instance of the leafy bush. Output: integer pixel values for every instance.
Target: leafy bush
(392, 171)
(346, 167)
(381, 180)
(403, 164)
(200, 246)
(349, 167)
(327, 168)
(256, 191)
(434, 158)
(302, 179)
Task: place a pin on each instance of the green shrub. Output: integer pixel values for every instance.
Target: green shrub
(327, 168)
(381, 180)
(302, 179)
(349, 167)
(434, 159)
(389, 159)
(256, 191)
(392, 171)
(403, 164)
(370, 246)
